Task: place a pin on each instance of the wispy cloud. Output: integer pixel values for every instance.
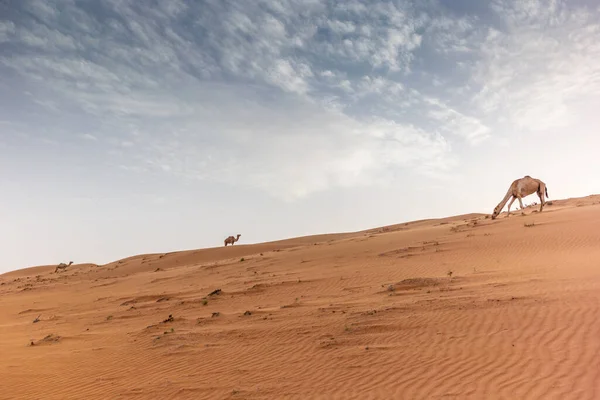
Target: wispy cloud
(7, 29)
(295, 97)
(536, 68)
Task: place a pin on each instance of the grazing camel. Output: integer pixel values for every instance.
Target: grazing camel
(62, 266)
(520, 188)
(231, 240)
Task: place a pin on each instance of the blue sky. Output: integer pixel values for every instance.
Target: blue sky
(129, 127)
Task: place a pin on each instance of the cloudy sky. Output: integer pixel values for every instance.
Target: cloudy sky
(129, 127)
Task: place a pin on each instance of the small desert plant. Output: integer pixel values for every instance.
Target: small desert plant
(529, 224)
(205, 302)
(449, 273)
(109, 317)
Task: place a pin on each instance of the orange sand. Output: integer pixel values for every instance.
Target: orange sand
(363, 315)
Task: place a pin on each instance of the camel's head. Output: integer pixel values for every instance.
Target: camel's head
(238, 235)
(495, 213)
(70, 262)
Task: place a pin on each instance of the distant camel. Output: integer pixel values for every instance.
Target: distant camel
(62, 266)
(231, 240)
(520, 188)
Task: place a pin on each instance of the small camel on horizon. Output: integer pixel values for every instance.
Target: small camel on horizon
(520, 188)
(231, 240)
(62, 266)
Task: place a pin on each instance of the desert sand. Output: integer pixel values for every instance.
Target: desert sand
(462, 307)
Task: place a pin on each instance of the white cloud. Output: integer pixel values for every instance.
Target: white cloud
(290, 149)
(154, 88)
(535, 73)
(7, 29)
(455, 123)
(289, 76)
(295, 97)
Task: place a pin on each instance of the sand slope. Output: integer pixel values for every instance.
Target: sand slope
(371, 314)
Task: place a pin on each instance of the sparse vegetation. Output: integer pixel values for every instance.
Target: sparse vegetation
(449, 273)
(529, 224)
(109, 317)
(205, 302)
(242, 259)
(51, 338)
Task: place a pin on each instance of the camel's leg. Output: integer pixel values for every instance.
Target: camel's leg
(509, 204)
(521, 203)
(541, 195)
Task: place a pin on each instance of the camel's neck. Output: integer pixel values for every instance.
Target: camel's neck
(501, 205)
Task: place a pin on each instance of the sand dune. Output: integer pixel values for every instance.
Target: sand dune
(462, 307)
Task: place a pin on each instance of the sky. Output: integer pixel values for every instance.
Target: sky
(131, 127)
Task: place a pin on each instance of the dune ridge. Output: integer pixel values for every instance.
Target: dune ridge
(461, 307)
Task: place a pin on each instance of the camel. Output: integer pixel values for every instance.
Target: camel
(520, 188)
(231, 240)
(62, 266)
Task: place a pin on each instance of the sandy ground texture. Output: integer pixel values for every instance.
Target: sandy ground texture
(463, 307)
